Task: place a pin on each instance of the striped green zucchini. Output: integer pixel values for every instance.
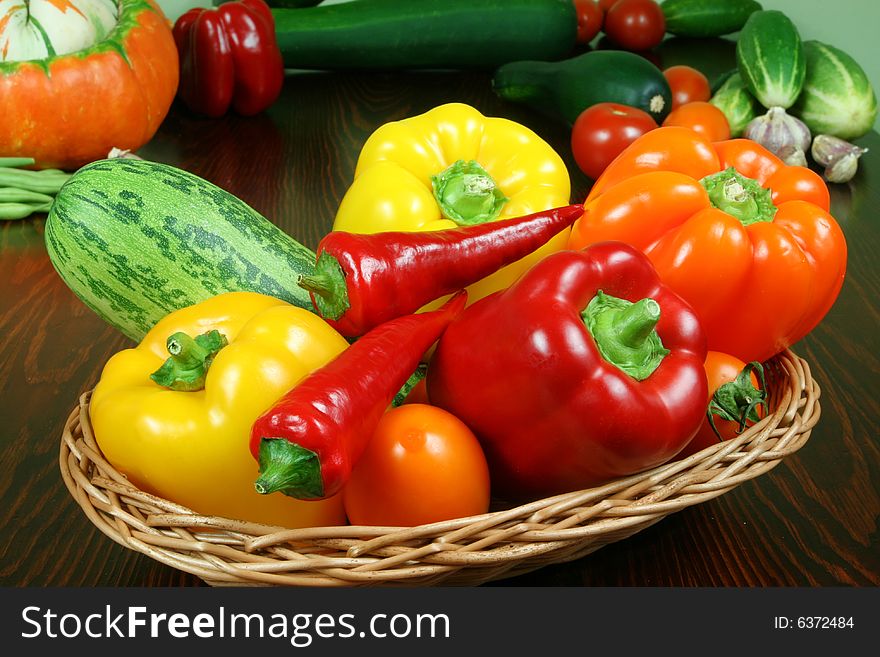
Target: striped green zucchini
(770, 58)
(136, 240)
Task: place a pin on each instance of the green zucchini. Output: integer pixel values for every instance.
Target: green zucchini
(707, 18)
(402, 34)
(738, 105)
(566, 88)
(770, 58)
(293, 4)
(837, 98)
(135, 240)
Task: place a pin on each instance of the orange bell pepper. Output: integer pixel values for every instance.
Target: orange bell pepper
(745, 239)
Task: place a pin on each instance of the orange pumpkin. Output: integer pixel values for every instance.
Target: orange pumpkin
(70, 109)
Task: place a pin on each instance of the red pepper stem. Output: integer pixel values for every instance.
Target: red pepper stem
(625, 333)
(637, 322)
(289, 468)
(328, 287)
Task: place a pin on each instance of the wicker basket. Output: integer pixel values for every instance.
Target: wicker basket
(466, 551)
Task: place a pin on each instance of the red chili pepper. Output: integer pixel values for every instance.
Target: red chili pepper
(365, 280)
(229, 56)
(308, 442)
(586, 369)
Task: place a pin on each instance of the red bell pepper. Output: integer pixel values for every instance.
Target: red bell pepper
(365, 280)
(586, 369)
(229, 56)
(308, 442)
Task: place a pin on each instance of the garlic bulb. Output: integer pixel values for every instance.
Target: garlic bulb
(839, 157)
(792, 156)
(777, 130)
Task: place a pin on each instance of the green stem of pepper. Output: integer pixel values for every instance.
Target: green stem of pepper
(625, 333)
(467, 194)
(740, 197)
(189, 360)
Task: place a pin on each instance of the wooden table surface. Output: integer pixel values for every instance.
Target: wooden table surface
(812, 521)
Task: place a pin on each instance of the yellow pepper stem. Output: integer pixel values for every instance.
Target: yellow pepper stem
(189, 360)
(290, 469)
(467, 194)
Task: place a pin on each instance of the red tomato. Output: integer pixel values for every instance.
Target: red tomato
(422, 465)
(701, 117)
(605, 5)
(602, 131)
(589, 18)
(687, 85)
(635, 24)
(722, 369)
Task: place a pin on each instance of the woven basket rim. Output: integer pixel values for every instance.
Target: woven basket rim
(463, 551)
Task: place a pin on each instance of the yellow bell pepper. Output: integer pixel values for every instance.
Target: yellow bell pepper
(452, 166)
(187, 439)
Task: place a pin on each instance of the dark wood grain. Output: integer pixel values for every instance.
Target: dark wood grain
(812, 521)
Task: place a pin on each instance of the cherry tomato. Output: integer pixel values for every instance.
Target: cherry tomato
(720, 369)
(589, 18)
(635, 24)
(605, 5)
(701, 117)
(602, 131)
(421, 465)
(687, 85)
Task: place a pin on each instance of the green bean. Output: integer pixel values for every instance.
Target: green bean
(17, 195)
(34, 181)
(21, 210)
(16, 161)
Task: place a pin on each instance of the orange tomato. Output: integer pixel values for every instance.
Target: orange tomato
(421, 465)
(688, 85)
(723, 369)
(701, 117)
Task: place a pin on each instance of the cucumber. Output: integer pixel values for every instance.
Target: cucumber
(837, 98)
(136, 240)
(707, 18)
(566, 88)
(402, 34)
(770, 58)
(738, 105)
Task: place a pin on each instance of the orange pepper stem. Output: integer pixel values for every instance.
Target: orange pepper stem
(742, 198)
(625, 333)
(189, 360)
